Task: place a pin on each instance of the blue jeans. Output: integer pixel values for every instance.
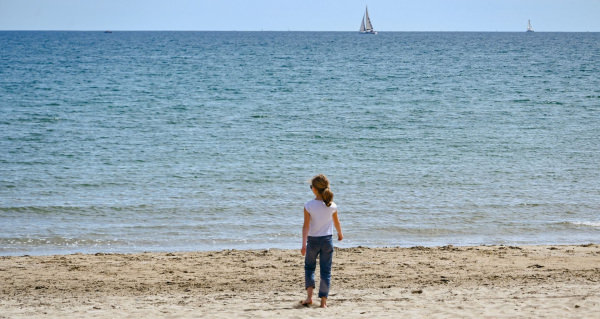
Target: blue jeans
(318, 246)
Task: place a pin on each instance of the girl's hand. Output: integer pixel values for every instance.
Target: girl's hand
(340, 236)
(303, 250)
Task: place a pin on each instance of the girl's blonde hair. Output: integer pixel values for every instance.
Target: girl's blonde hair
(321, 183)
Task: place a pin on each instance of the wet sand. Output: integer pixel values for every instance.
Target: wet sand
(471, 282)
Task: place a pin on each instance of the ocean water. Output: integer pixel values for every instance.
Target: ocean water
(177, 141)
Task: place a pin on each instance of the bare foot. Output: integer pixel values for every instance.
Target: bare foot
(323, 302)
(306, 302)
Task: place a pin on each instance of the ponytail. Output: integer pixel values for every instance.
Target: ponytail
(321, 183)
(327, 196)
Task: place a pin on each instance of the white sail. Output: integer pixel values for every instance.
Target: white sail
(368, 21)
(362, 25)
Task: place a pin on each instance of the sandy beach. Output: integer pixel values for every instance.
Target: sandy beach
(474, 282)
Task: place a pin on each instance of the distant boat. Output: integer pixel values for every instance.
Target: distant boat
(365, 26)
(529, 27)
(107, 31)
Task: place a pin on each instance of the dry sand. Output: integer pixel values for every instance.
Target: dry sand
(476, 282)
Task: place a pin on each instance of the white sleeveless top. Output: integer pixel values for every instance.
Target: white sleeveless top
(321, 220)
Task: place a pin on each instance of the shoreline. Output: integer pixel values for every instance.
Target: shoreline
(336, 243)
(447, 281)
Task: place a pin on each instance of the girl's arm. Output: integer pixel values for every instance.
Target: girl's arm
(305, 231)
(338, 227)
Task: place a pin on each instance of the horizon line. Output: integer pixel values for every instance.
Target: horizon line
(345, 31)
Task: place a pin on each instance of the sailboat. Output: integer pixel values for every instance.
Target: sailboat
(365, 26)
(529, 27)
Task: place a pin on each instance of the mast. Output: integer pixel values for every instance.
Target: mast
(368, 25)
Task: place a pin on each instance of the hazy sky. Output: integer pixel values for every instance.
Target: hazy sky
(300, 15)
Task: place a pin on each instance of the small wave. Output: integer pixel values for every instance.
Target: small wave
(583, 223)
(74, 210)
(55, 241)
(591, 224)
(419, 231)
(552, 102)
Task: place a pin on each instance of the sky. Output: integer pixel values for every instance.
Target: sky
(300, 15)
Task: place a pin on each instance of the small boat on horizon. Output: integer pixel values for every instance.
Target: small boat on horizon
(107, 31)
(529, 27)
(365, 26)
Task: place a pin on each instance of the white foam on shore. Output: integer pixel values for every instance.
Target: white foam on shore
(586, 223)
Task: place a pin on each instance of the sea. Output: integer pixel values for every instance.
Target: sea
(130, 142)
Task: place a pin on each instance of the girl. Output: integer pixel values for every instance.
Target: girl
(320, 214)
